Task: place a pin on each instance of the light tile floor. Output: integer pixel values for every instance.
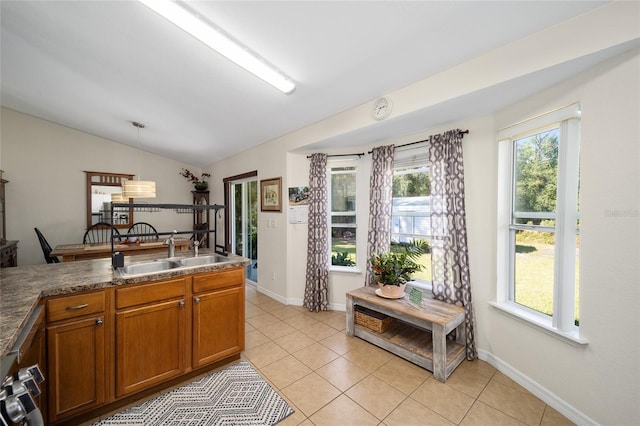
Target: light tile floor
(331, 379)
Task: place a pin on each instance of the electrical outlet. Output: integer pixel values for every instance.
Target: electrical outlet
(273, 276)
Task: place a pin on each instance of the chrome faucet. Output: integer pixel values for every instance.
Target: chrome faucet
(171, 242)
(196, 243)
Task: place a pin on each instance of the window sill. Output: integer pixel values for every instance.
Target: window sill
(530, 319)
(345, 269)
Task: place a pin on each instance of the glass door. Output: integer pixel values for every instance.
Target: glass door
(244, 223)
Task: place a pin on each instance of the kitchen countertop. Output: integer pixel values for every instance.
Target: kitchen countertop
(22, 287)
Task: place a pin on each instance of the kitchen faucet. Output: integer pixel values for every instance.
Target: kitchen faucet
(171, 242)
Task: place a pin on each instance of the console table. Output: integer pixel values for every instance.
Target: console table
(418, 334)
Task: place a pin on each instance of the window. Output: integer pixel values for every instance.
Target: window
(342, 223)
(538, 220)
(410, 214)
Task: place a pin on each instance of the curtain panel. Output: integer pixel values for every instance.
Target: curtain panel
(316, 292)
(380, 204)
(449, 252)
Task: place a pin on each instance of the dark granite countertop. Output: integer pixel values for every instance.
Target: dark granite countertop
(22, 287)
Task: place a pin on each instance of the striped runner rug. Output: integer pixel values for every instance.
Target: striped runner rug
(236, 395)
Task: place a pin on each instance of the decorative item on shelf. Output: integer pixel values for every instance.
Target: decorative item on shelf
(392, 270)
(199, 184)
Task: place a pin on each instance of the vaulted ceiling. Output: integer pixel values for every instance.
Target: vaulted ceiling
(97, 66)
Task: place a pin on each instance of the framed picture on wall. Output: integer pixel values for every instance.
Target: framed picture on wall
(271, 195)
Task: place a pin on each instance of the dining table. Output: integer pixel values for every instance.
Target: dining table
(73, 252)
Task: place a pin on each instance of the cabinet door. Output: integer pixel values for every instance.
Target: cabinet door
(76, 372)
(150, 345)
(218, 325)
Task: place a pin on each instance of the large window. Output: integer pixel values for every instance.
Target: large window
(538, 215)
(410, 214)
(342, 223)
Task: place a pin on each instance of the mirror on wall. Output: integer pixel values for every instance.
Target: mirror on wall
(100, 187)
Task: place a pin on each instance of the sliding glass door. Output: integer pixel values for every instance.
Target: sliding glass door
(244, 222)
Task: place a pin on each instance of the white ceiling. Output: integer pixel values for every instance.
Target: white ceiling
(96, 66)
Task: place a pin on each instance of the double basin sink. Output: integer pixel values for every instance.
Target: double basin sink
(170, 264)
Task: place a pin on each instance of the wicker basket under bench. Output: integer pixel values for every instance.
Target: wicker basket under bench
(373, 320)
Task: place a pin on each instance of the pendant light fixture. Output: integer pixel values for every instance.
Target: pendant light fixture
(138, 188)
(117, 197)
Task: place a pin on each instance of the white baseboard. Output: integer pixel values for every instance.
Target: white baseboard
(539, 391)
(271, 294)
(300, 302)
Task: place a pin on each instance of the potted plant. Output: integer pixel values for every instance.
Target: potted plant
(393, 269)
(199, 184)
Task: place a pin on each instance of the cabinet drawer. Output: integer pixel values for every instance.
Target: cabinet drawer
(153, 292)
(75, 306)
(215, 280)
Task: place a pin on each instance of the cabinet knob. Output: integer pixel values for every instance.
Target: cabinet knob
(196, 299)
(99, 322)
(181, 303)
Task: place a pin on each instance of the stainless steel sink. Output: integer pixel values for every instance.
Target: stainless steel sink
(202, 260)
(171, 264)
(149, 267)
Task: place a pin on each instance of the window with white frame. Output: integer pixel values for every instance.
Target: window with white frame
(342, 223)
(538, 210)
(410, 214)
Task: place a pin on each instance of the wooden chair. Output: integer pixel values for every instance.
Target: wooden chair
(100, 233)
(46, 248)
(144, 228)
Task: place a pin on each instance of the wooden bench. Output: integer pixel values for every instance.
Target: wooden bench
(418, 334)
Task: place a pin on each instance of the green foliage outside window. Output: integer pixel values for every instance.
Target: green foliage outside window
(536, 173)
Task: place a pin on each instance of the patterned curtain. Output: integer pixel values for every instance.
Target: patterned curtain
(380, 194)
(449, 253)
(316, 296)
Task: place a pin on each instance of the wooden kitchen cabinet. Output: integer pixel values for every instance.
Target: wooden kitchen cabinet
(76, 346)
(150, 334)
(218, 316)
(103, 347)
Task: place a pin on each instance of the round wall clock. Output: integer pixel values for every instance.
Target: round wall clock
(381, 108)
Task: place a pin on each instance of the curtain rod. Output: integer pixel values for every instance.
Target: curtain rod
(359, 154)
(461, 132)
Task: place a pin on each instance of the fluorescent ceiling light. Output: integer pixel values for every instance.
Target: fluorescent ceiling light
(178, 14)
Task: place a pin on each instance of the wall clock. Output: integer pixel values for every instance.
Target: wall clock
(381, 108)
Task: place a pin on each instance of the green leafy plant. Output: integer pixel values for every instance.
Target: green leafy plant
(396, 267)
(342, 259)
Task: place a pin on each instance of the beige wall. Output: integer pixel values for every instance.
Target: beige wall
(602, 379)
(44, 164)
